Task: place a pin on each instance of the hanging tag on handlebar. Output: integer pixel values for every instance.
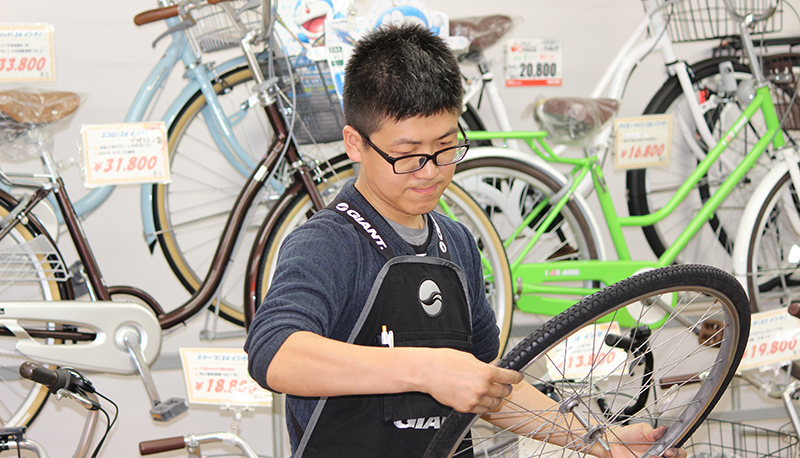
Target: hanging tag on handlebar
(219, 376)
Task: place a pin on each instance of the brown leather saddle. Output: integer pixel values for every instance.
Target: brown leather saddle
(36, 106)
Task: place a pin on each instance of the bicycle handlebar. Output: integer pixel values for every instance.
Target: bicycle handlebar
(161, 445)
(62, 378)
(165, 12)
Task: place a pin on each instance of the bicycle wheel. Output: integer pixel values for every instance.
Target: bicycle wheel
(455, 203)
(650, 189)
(608, 377)
(191, 211)
(31, 272)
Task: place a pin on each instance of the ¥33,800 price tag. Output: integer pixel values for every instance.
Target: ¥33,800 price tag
(643, 141)
(533, 62)
(586, 352)
(219, 376)
(26, 53)
(773, 339)
(134, 152)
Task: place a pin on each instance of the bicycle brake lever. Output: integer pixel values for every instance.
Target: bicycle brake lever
(187, 22)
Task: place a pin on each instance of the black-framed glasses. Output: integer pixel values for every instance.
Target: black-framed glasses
(414, 162)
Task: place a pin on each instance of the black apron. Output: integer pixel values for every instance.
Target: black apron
(424, 302)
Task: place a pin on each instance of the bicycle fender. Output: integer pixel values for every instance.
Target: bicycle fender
(109, 320)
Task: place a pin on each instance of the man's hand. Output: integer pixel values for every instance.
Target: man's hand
(633, 440)
(461, 381)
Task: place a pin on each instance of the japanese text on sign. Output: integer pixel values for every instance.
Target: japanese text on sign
(125, 153)
(26, 53)
(586, 352)
(773, 339)
(643, 141)
(533, 62)
(219, 376)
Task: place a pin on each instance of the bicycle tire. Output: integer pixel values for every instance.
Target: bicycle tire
(464, 209)
(678, 283)
(650, 189)
(772, 251)
(21, 400)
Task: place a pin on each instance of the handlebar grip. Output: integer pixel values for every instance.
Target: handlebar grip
(667, 382)
(38, 374)
(794, 309)
(214, 2)
(161, 445)
(157, 14)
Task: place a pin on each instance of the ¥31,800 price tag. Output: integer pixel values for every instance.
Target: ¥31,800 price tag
(26, 53)
(774, 337)
(219, 376)
(586, 352)
(134, 152)
(643, 141)
(533, 62)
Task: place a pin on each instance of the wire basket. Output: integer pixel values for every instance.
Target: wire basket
(214, 30)
(696, 20)
(783, 70)
(34, 260)
(722, 439)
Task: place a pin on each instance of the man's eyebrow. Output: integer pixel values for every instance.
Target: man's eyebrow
(411, 141)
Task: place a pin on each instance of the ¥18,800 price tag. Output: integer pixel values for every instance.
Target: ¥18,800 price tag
(134, 152)
(643, 141)
(774, 337)
(586, 352)
(26, 53)
(533, 62)
(219, 376)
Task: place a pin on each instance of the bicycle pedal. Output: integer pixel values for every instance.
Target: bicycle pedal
(169, 409)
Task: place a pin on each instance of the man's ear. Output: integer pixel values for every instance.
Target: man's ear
(353, 143)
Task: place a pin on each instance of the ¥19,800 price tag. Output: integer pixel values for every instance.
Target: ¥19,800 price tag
(533, 62)
(643, 141)
(774, 337)
(586, 352)
(219, 376)
(134, 152)
(26, 53)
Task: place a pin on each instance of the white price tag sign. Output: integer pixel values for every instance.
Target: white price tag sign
(219, 376)
(533, 62)
(125, 153)
(774, 337)
(643, 141)
(585, 352)
(26, 53)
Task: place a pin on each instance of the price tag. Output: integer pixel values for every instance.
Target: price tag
(585, 352)
(773, 339)
(533, 62)
(219, 376)
(643, 141)
(125, 153)
(26, 53)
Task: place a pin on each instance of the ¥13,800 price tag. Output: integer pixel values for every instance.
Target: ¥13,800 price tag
(773, 339)
(533, 62)
(134, 152)
(643, 141)
(26, 53)
(586, 352)
(219, 376)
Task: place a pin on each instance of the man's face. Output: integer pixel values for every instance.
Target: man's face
(403, 198)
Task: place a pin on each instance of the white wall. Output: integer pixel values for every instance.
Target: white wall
(103, 56)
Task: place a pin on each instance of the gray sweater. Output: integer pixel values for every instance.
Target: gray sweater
(324, 274)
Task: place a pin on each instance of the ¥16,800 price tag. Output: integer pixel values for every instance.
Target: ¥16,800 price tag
(586, 352)
(643, 141)
(774, 337)
(533, 62)
(26, 53)
(134, 152)
(219, 376)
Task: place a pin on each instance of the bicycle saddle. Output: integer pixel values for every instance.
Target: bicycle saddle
(574, 120)
(36, 106)
(482, 31)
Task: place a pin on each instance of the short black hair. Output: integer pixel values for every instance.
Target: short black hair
(399, 72)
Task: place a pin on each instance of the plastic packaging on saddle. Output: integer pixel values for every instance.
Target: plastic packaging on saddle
(29, 118)
(573, 121)
(483, 31)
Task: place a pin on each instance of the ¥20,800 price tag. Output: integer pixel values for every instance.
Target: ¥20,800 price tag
(643, 141)
(773, 339)
(26, 53)
(134, 152)
(585, 352)
(533, 62)
(219, 376)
